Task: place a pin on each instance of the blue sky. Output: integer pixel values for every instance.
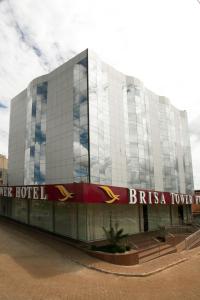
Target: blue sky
(154, 40)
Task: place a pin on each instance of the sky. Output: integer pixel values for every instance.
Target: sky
(157, 41)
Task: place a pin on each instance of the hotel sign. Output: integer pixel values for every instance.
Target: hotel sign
(152, 197)
(24, 192)
(93, 193)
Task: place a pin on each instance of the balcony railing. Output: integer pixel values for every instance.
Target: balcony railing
(192, 239)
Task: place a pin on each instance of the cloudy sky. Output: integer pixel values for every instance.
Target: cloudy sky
(157, 41)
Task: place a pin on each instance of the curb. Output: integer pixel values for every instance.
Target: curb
(145, 274)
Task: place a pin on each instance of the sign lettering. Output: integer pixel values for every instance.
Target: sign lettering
(150, 197)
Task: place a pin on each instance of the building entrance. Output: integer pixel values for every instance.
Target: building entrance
(180, 214)
(145, 217)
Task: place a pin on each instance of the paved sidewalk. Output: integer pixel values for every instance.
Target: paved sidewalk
(83, 259)
(140, 270)
(36, 266)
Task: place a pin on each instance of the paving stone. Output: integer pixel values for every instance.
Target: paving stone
(33, 265)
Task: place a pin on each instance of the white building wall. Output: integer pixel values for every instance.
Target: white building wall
(17, 140)
(59, 133)
(58, 160)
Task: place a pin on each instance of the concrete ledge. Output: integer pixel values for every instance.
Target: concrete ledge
(129, 258)
(142, 274)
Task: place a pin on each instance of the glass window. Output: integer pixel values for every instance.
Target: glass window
(80, 121)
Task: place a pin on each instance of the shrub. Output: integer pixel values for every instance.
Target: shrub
(114, 235)
(109, 248)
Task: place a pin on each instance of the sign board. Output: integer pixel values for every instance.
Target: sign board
(93, 193)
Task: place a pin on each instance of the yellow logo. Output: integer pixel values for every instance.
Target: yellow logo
(64, 192)
(110, 193)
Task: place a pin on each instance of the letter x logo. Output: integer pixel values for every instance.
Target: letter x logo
(110, 193)
(64, 192)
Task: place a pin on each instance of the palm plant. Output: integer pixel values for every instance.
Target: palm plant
(114, 235)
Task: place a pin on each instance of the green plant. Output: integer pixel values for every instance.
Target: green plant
(114, 235)
(128, 248)
(110, 248)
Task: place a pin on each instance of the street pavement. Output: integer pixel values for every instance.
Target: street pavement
(35, 265)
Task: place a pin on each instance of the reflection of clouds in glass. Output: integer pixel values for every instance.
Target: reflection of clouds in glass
(100, 152)
(83, 63)
(34, 109)
(84, 138)
(80, 92)
(76, 73)
(83, 96)
(36, 134)
(76, 111)
(42, 90)
(40, 136)
(80, 121)
(32, 151)
(78, 148)
(82, 72)
(80, 171)
(84, 160)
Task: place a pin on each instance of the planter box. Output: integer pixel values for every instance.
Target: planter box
(128, 258)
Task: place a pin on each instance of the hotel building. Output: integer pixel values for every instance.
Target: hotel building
(86, 126)
(3, 169)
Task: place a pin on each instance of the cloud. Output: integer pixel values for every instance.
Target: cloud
(195, 128)
(3, 142)
(3, 134)
(3, 106)
(24, 35)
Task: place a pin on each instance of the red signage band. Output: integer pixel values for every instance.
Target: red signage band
(93, 193)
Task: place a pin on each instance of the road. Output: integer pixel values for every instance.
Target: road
(34, 265)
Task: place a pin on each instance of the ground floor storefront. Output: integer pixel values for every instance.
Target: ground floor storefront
(80, 211)
(196, 210)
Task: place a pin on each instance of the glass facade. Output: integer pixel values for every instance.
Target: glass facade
(127, 216)
(80, 121)
(140, 169)
(103, 127)
(158, 216)
(20, 210)
(85, 222)
(65, 219)
(137, 138)
(168, 141)
(99, 121)
(35, 158)
(187, 159)
(41, 214)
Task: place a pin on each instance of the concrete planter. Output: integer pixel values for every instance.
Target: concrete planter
(127, 258)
